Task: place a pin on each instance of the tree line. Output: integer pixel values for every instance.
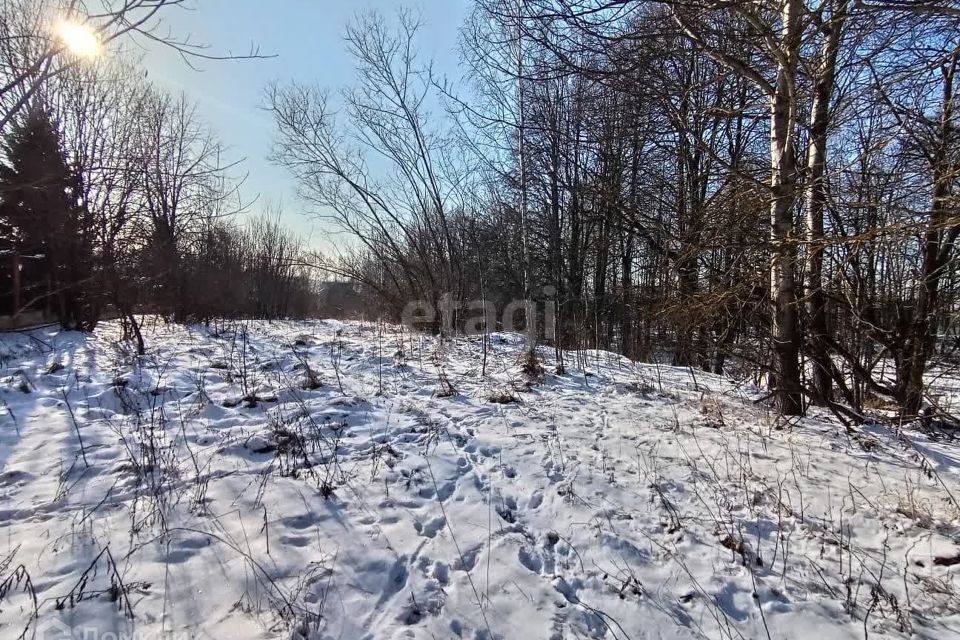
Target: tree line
(765, 188)
(115, 196)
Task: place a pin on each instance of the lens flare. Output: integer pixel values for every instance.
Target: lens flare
(79, 39)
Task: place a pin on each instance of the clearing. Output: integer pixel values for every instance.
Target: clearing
(352, 480)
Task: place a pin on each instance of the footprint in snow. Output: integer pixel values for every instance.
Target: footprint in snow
(15, 477)
(507, 510)
(296, 541)
(536, 499)
(303, 521)
(553, 471)
(468, 559)
(430, 528)
(178, 556)
(434, 570)
(446, 490)
(396, 577)
(182, 549)
(529, 558)
(542, 559)
(481, 482)
(441, 573)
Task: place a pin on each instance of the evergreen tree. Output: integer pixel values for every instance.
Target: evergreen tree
(45, 220)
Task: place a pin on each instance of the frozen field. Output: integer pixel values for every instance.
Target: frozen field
(340, 480)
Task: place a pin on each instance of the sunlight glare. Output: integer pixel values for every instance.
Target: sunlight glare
(79, 39)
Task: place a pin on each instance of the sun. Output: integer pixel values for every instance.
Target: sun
(79, 39)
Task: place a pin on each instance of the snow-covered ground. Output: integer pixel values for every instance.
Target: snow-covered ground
(217, 489)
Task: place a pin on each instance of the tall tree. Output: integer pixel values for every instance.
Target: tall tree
(42, 206)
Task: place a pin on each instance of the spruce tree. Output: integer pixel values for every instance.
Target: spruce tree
(44, 218)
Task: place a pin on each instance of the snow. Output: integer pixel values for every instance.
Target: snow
(219, 492)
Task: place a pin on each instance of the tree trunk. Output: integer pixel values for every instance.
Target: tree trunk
(529, 312)
(783, 180)
(816, 200)
(937, 249)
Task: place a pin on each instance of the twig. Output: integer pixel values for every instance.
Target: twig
(76, 427)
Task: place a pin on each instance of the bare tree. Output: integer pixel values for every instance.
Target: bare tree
(31, 51)
(185, 184)
(402, 215)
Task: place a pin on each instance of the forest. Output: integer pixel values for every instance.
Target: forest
(622, 319)
(116, 198)
(765, 187)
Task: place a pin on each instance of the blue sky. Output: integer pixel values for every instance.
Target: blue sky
(307, 38)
